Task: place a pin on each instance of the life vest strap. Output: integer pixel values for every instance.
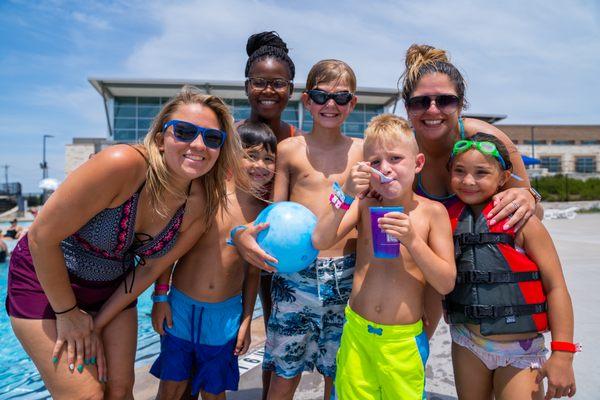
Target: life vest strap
(477, 276)
(483, 311)
(483, 238)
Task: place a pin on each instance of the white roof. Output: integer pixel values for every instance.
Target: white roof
(111, 88)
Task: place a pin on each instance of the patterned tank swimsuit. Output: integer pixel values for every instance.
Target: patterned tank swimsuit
(98, 258)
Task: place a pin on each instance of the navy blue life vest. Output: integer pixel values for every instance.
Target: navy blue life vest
(497, 287)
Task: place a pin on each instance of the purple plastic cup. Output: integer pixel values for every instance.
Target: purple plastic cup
(384, 245)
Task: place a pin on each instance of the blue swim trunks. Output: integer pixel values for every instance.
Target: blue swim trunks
(200, 344)
(307, 317)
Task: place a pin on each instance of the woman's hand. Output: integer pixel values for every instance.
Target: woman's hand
(98, 357)
(74, 328)
(517, 203)
(161, 313)
(245, 242)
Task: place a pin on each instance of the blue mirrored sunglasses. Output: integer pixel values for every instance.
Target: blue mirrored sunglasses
(187, 132)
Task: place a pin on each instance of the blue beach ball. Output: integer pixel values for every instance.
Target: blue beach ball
(288, 237)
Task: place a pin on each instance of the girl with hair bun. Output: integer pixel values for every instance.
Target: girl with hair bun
(434, 96)
(269, 81)
(269, 84)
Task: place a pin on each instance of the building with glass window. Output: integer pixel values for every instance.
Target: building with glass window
(130, 105)
(573, 149)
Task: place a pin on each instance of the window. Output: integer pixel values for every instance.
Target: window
(585, 164)
(537, 141)
(563, 142)
(590, 142)
(553, 164)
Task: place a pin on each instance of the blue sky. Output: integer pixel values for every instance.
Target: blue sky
(536, 61)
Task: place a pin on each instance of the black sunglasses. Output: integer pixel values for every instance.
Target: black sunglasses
(321, 97)
(187, 132)
(446, 103)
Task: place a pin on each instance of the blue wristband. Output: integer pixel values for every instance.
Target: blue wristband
(233, 232)
(337, 190)
(160, 298)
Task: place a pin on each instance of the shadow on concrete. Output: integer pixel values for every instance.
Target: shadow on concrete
(245, 394)
(437, 396)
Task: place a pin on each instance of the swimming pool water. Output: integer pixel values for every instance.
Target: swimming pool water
(18, 377)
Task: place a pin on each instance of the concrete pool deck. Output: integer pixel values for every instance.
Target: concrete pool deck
(578, 244)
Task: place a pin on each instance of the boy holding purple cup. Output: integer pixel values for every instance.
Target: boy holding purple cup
(384, 348)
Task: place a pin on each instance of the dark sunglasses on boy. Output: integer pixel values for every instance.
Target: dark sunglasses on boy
(262, 83)
(321, 97)
(187, 132)
(446, 103)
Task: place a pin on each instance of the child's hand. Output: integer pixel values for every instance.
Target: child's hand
(398, 225)
(561, 378)
(245, 242)
(161, 312)
(358, 181)
(243, 340)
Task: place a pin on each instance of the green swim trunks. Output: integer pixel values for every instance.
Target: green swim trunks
(378, 361)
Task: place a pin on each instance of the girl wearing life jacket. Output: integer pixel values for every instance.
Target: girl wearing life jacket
(509, 289)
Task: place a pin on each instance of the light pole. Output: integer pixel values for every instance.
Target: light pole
(44, 167)
(44, 164)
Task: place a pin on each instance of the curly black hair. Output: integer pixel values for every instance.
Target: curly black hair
(268, 44)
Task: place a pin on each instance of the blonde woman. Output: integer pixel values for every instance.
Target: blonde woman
(73, 279)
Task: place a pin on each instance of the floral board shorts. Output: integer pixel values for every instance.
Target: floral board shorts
(307, 317)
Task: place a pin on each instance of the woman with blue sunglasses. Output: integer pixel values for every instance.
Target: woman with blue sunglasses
(434, 96)
(107, 233)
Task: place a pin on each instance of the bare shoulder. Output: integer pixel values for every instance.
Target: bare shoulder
(289, 147)
(291, 142)
(358, 142)
(532, 230)
(431, 206)
(122, 158)
(115, 167)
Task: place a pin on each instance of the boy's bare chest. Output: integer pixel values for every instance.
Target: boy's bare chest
(321, 170)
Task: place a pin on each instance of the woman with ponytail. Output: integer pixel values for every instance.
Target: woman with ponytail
(107, 233)
(434, 96)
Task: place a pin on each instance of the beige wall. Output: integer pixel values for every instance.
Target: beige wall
(77, 154)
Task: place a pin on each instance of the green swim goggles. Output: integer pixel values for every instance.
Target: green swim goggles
(487, 148)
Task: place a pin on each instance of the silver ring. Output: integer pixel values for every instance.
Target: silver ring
(515, 205)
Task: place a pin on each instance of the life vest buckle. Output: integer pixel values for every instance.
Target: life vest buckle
(480, 311)
(475, 276)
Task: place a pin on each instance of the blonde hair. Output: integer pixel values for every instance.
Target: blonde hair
(331, 71)
(422, 60)
(390, 129)
(228, 164)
